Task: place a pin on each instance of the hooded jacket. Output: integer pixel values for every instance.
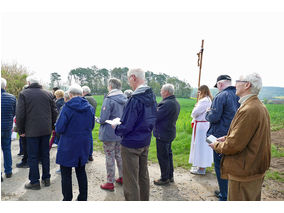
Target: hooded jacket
(138, 119)
(75, 124)
(112, 108)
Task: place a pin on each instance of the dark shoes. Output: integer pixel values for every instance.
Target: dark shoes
(46, 182)
(161, 182)
(8, 175)
(35, 186)
(172, 180)
(91, 158)
(22, 165)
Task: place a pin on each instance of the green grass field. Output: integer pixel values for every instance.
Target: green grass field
(181, 145)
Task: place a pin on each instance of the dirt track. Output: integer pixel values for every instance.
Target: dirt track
(187, 187)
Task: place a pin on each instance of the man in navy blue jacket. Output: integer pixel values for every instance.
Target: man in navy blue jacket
(8, 111)
(220, 115)
(165, 132)
(137, 123)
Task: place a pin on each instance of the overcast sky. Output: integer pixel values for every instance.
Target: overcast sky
(162, 37)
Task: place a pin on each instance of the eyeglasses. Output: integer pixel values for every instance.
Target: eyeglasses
(237, 81)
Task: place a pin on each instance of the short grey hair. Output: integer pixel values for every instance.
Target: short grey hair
(75, 89)
(139, 73)
(66, 96)
(86, 89)
(169, 87)
(255, 80)
(3, 83)
(32, 79)
(114, 83)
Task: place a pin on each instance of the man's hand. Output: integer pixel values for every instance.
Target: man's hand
(23, 135)
(113, 126)
(212, 145)
(221, 139)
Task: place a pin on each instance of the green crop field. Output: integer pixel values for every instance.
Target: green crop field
(181, 145)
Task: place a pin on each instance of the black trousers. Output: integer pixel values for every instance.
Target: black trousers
(66, 183)
(165, 158)
(23, 142)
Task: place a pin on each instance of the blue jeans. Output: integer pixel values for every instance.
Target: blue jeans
(165, 158)
(6, 148)
(223, 184)
(66, 183)
(38, 149)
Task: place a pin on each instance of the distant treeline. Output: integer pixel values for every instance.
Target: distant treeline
(97, 80)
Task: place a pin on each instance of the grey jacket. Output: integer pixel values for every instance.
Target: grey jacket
(112, 108)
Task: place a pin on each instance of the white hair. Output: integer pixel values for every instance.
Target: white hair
(255, 80)
(75, 89)
(169, 87)
(32, 79)
(139, 73)
(3, 83)
(86, 89)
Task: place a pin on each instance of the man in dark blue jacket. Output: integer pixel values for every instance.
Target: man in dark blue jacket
(137, 123)
(165, 132)
(220, 115)
(8, 111)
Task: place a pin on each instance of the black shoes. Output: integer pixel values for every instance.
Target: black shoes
(8, 175)
(46, 182)
(172, 180)
(161, 182)
(217, 193)
(35, 186)
(22, 165)
(91, 158)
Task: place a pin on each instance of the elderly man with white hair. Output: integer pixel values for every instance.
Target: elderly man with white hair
(36, 115)
(165, 132)
(75, 124)
(8, 111)
(87, 95)
(137, 122)
(246, 147)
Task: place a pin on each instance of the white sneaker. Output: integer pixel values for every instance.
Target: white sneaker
(199, 172)
(54, 145)
(193, 169)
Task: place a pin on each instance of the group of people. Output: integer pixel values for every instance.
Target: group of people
(236, 117)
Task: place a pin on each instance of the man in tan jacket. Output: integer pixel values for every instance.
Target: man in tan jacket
(246, 147)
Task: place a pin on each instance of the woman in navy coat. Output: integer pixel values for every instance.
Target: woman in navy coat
(75, 124)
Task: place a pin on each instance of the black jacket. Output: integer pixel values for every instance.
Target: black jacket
(167, 114)
(36, 111)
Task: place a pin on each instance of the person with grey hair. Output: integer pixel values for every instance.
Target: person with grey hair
(8, 111)
(137, 122)
(87, 95)
(36, 115)
(165, 132)
(112, 108)
(247, 146)
(75, 124)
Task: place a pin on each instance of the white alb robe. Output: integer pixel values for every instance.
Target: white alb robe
(201, 155)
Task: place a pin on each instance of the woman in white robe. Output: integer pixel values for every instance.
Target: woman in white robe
(201, 155)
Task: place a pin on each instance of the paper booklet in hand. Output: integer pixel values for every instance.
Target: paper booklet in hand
(211, 139)
(115, 121)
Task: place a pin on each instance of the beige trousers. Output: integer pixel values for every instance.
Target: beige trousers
(245, 191)
(136, 182)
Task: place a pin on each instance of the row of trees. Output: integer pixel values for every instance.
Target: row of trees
(97, 80)
(93, 77)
